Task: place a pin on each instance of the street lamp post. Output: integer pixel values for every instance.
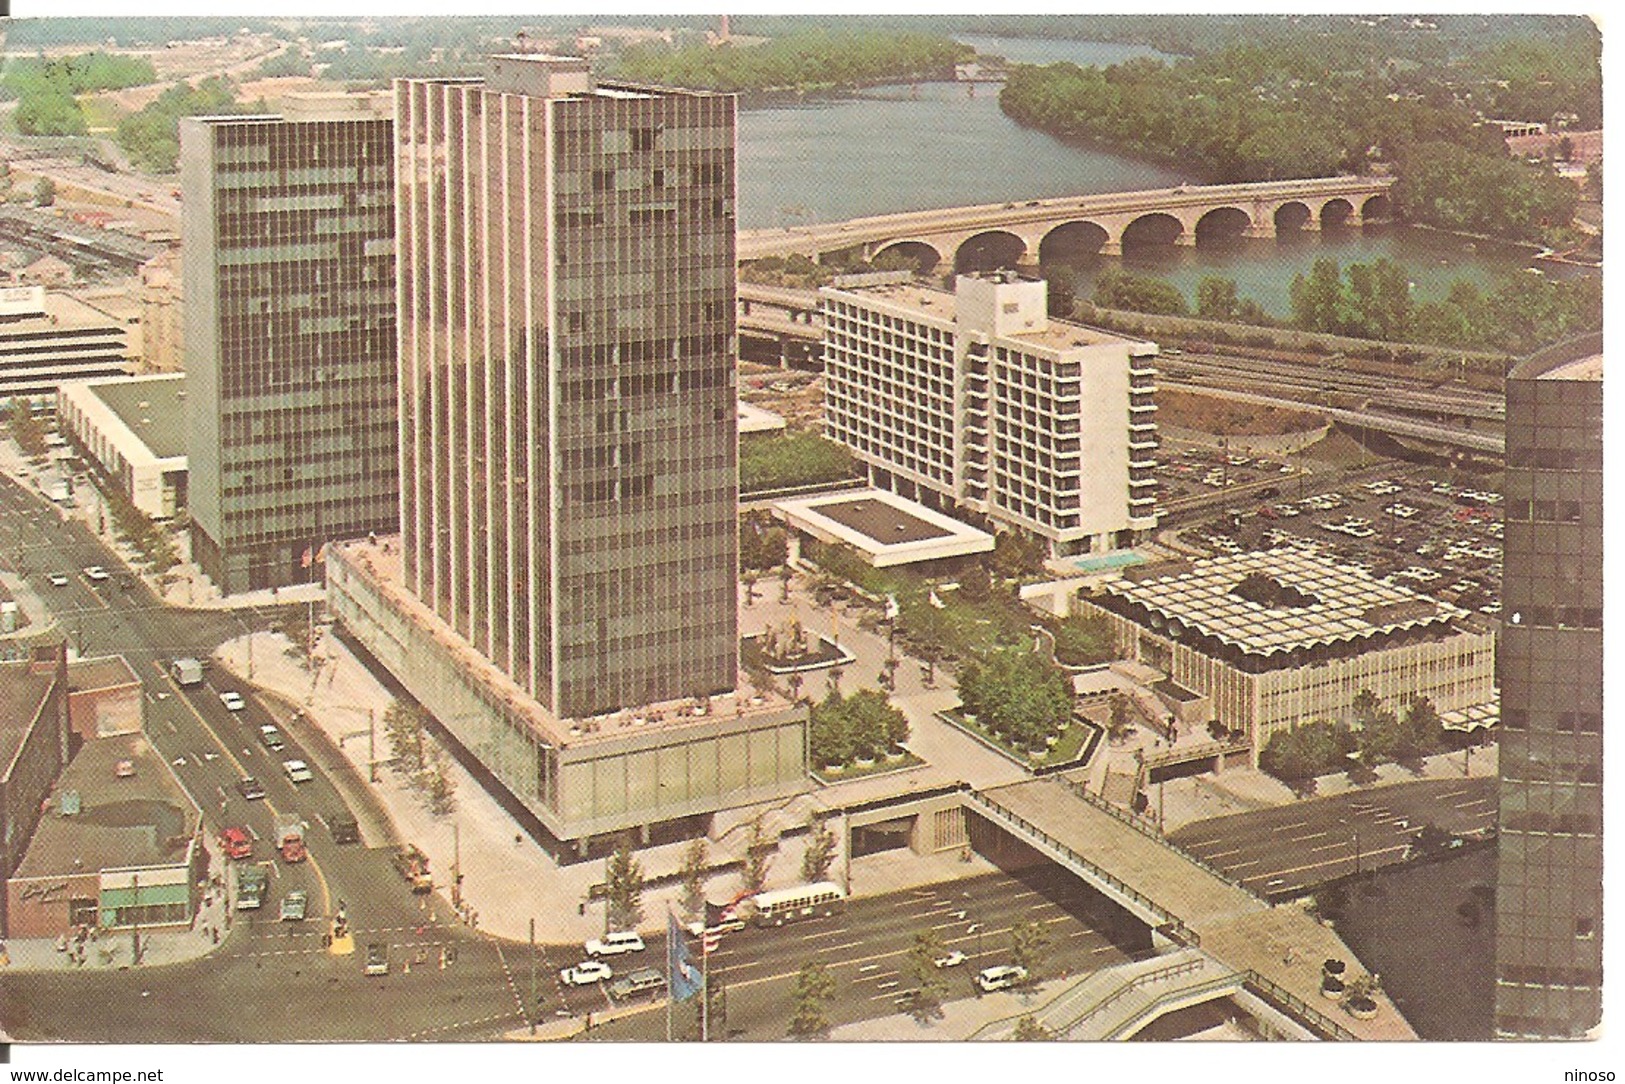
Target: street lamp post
(532, 1010)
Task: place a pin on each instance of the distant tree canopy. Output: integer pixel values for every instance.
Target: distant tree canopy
(151, 137)
(799, 60)
(1273, 110)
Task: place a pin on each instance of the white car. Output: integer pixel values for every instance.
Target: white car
(613, 944)
(297, 771)
(949, 959)
(97, 574)
(58, 579)
(1002, 977)
(586, 973)
(233, 700)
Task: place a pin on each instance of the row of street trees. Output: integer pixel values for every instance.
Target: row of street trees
(1377, 734)
(420, 759)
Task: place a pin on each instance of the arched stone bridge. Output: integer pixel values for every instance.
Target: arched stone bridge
(1024, 232)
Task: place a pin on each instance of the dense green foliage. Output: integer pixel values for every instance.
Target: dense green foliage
(27, 431)
(152, 137)
(1084, 640)
(80, 74)
(291, 62)
(1258, 112)
(1373, 301)
(763, 544)
(1120, 290)
(1016, 694)
(844, 728)
(801, 60)
(45, 89)
(1378, 734)
(794, 459)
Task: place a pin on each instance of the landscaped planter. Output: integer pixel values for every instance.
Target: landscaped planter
(1334, 968)
(1361, 1008)
(1331, 988)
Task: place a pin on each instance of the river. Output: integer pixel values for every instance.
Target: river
(902, 148)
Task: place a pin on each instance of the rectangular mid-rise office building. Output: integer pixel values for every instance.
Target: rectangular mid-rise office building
(1548, 898)
(288, 263)
(568, 420)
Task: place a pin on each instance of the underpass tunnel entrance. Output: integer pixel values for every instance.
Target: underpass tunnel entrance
(1222, 226)
(1126, 931)
(916, 255)
(1335, 215)
(894, 835)
(1072, 244)
(989, 251)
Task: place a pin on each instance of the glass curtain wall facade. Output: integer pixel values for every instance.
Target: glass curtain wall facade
(568, 421)
(288, 262)
(1549, 883)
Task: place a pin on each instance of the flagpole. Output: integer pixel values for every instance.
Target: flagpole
(671, 976)
(705, 989)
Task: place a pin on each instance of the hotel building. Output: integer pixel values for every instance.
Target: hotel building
(979, 401)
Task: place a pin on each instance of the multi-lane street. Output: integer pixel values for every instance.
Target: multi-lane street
(866, 950)
(1279, 852)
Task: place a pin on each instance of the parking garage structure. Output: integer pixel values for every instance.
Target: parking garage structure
(1274, 638)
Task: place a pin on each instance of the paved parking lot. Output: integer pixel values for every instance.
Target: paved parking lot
(1413, 526)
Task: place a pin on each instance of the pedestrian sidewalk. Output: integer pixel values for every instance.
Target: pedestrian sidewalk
(114, 950)
(508, 878)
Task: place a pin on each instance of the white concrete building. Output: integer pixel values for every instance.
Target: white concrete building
(978, 400)
(1263, 641)
(133, 430)
(47, 339)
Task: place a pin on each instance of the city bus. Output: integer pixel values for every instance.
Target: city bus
(777, 906)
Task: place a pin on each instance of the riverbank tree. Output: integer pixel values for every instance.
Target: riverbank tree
(812, 59)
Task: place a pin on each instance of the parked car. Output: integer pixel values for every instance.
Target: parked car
(952, 958)
(97, 574)
(297, 771)
(1002, 977)
(233, 700)
(250, 788)
(271, 738)
(614, 944)
(58, 579)
(586, 973)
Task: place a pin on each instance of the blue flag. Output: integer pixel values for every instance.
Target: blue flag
(681, 974)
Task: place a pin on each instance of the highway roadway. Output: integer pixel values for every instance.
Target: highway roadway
(1285, 851)
(866, 951)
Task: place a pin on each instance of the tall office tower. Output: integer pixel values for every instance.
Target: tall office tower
(979, 399)
(1548, 910)
(568, 424)
(288, 263)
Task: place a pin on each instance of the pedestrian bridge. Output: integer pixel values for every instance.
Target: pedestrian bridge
(1029, 231)
(1274, 951)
